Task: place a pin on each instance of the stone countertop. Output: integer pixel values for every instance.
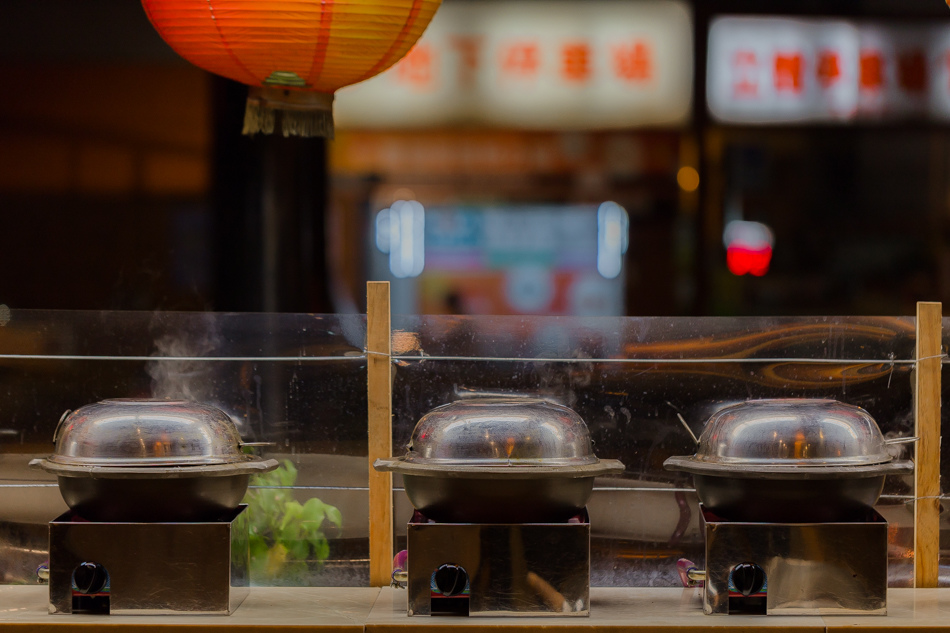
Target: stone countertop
(611, 609)
(339, 609)
(325, 609)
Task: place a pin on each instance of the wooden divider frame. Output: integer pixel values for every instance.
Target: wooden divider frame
(927, 453)
(379, 400)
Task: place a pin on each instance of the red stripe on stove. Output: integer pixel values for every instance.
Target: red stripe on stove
(323, 42)
(387, 59)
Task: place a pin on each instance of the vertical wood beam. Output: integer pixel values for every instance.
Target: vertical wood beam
(927, 453)
(379, 392)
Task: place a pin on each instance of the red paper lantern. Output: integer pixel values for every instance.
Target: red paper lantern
(293, 53)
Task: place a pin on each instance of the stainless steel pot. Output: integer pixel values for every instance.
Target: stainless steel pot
(790, 460)
(150, 460)
(500, 460)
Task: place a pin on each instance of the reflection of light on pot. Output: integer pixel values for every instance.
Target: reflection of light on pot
(400, 233)
(748, 247)
(613, 237)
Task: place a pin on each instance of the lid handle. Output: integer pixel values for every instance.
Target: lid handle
(59, 425)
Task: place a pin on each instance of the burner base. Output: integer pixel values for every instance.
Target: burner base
(476, 569)
(148, 568)
(795, 568)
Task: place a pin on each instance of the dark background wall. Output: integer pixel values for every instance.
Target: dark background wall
(125, 184)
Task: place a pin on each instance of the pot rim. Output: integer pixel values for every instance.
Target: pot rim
(689, 464)
(149, 462)
(497, 471)
(154, 472)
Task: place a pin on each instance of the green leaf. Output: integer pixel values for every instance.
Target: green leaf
(287, 473)
(314, 511)
(321, 550)
(297, 550)
(292, 515)
(335, 517)
(258, 548)
(276, 557)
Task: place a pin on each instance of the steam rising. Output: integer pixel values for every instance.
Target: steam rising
(178, 371)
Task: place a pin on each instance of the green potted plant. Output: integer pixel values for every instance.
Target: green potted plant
(288, 539)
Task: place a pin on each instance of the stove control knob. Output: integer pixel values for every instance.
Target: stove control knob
(450, 580)
(748, 578)
(90, 578)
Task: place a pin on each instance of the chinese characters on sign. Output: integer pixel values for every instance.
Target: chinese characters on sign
(521, 59)
(416, 68)
(528, 64)
(786, 70)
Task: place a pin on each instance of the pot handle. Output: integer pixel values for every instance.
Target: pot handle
(59, 425)
(384, 465)
(243, 444)
(688, 430)
(901, 440)
(400, 577)
(690, 576)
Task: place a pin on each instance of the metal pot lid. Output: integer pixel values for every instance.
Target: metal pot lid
(787, 435)
(501, 435)
(142, 433)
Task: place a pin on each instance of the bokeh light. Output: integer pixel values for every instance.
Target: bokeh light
(688, 179)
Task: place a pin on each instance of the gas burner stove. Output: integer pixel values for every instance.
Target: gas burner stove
(484, 569)
(148, 568)
(793, 568)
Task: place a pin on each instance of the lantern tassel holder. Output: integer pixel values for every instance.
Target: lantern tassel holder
(299, 113)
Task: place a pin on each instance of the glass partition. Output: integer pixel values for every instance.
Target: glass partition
(638, 383)
(295, 380)
(299, 381)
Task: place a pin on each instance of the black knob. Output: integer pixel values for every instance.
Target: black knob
(450, 580)
(90, 578)
(748, 578)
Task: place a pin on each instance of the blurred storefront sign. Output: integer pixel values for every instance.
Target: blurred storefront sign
(536, 65)
(764, 70)
(516, 259)
(502, 152)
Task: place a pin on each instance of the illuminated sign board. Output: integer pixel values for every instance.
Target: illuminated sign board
(765, 70)
(536, 65)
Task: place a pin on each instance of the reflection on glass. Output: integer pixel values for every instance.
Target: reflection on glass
(296, 380)
(613, 238)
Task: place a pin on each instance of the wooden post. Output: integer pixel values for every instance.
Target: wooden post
(927, 453)
(379, 385)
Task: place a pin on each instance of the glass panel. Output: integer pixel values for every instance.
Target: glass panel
(637, 382)
(293, 379)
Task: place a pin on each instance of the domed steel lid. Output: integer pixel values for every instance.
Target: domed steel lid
(765, 435)
(498, 434)
(148, 436)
